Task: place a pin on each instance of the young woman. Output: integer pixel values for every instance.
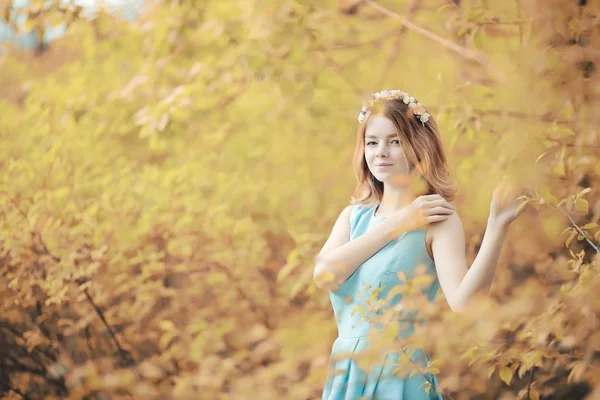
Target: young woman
(393, 227)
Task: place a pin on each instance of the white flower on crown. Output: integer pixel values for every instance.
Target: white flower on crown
(418, 108)
(395, 94)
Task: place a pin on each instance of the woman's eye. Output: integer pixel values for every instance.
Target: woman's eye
(368, 143)
(396, 140)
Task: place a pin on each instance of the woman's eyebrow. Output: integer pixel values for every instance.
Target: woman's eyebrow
(388, 136)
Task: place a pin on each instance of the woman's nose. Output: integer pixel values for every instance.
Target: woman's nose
(381, 151)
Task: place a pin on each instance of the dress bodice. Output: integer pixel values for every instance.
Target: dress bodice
(377, 276)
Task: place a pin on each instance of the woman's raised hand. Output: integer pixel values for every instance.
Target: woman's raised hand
(506, 206)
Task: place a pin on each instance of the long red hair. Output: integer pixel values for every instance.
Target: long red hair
(422, 146)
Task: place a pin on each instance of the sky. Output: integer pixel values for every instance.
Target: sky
(129, 9)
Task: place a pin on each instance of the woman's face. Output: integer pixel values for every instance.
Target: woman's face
(383, 152)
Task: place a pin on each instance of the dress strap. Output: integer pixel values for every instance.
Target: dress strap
(353, 213)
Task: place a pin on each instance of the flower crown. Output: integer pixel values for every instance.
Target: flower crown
(421, 114)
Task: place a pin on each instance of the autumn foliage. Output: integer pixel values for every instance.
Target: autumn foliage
(165, 185)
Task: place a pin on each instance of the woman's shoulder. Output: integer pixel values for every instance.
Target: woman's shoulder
(357, 210)
(358, 207)
(451, 226)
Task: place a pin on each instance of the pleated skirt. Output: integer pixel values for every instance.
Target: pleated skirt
(347, 381)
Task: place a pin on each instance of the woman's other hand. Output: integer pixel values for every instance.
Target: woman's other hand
(424, 210)
(505, 208)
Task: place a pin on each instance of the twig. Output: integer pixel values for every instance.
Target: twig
(578, 228)
(546, 117)
(122, 352)
(243, 293)
(518, 114)
(377, 41)
(492, 22)
(471, 55)
(423, 374)
(332, 63)
(529, 384)
(17, 391)
(394, 54)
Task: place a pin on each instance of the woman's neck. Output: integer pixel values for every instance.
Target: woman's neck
(393, 200)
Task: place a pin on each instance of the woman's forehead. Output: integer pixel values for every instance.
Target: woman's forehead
(380, 126)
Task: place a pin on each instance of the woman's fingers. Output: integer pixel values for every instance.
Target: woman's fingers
(434, 208)
(431, 197)
(440, 211)
(436, 218)
(441, 203)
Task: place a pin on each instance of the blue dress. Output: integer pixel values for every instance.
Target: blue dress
(372, 281)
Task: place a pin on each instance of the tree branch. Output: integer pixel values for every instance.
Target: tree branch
(578, 228)
(394, 54)
(17, 391)
(124, 355)
(529, 384)
(471, 55)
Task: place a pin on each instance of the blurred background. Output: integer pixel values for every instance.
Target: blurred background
(169, 169)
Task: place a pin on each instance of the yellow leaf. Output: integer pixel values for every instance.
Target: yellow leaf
(523, 204)
(423, 279)
(396, 290)
(570, 238)
(491, 371)
(579, 367)
(326, 276)
(149, 370)
(13, 284)
(402, 276)
(506, 375)
(166, 325)
(540, 157)
(582, 205)
(165, 339)
(559, 170)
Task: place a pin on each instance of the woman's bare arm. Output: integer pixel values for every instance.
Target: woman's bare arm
(458, 282)
(340, 256)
